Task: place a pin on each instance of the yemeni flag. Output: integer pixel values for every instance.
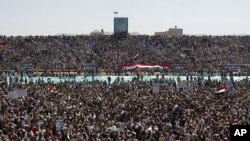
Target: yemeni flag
(143, 66)
(52, 88)
(221, 89)
(1, 81)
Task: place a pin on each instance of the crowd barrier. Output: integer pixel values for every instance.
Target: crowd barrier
(113, 78)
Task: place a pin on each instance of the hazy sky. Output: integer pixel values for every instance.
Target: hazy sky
(50, 17)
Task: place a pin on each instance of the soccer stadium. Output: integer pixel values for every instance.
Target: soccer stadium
(170, 85)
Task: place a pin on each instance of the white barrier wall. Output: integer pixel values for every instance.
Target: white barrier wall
(126, 78)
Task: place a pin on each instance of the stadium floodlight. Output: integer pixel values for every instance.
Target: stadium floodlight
(115, 13)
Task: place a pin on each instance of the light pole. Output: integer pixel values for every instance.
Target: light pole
(115, 13)
(116, 44)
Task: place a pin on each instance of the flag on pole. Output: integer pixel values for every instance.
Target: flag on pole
(221, 89)
(52, 88)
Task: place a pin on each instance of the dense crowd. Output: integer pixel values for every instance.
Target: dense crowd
(197, 53)
(122, 111)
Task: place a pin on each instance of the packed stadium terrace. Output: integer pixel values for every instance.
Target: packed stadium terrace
(196, 53)
(122, 111)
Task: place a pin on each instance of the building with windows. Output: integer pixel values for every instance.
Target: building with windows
(172, 32)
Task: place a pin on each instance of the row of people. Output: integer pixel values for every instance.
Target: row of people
(120, 111)
(196, 53)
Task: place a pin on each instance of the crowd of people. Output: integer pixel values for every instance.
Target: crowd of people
(195, 53)
(122, 111)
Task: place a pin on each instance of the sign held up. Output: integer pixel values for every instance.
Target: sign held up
(156, 88)
(17, 93)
